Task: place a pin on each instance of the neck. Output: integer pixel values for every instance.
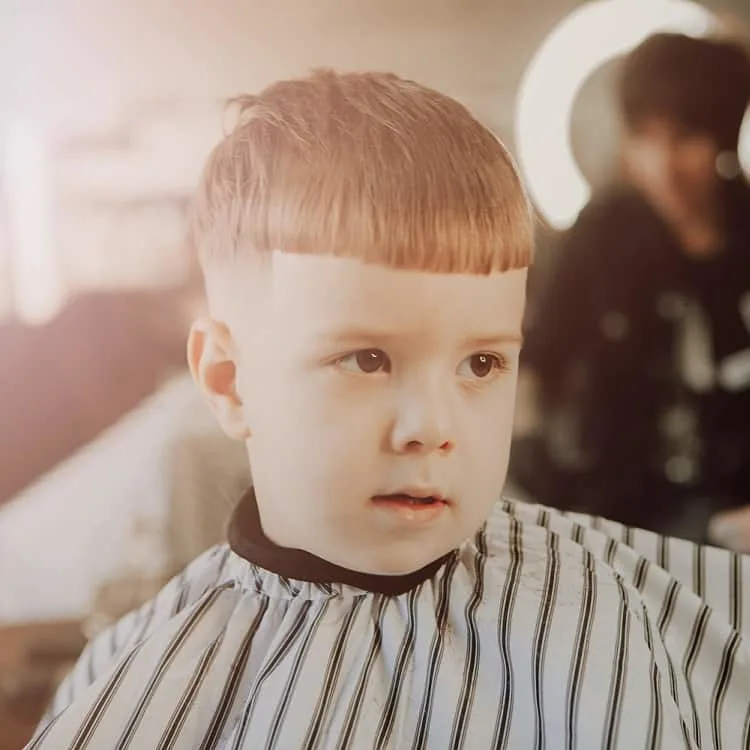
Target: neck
(701, 231)
(247, 539)
(701, 240)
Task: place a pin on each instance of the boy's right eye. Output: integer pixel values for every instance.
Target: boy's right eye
(366, 361)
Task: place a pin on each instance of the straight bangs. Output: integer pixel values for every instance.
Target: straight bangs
(372, 167)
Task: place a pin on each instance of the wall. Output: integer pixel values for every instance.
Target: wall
(130, 92)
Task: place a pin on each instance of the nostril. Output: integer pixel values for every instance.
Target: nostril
(418, 446)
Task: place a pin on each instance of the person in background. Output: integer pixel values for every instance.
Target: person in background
(638, 346)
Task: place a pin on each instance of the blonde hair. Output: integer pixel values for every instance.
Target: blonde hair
(366, 166)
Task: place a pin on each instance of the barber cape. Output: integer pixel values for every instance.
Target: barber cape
(545, 630)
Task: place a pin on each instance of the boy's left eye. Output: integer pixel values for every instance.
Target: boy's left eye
(481, 365)
(367, 361)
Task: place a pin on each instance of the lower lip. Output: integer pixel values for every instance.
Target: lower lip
(410, 511)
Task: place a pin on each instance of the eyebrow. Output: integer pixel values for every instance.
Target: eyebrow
(351, 335)
(359, 335)
(497, 339)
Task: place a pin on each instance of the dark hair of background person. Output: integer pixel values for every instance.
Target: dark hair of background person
(702, 84)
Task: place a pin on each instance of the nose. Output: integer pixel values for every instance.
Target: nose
(423, 423)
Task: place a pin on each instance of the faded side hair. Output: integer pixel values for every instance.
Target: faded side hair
(362, 165)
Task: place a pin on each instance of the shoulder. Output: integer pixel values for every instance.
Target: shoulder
(615, 203)
(616, 216)
(206, 578)
(653, 569)
(612, 226)
(208, 571)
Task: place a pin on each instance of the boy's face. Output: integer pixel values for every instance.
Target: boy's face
(360, 384)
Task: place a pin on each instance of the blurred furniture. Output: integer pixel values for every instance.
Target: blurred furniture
(137, 503)
(64, 382)
(33, 657)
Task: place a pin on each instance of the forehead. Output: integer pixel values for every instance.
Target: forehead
(315, 294)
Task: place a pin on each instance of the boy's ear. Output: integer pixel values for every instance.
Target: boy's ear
(214, 369)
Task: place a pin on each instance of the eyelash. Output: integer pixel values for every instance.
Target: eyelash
(352, 355)
(500, 363)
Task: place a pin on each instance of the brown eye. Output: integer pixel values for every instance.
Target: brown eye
(371, 360)
(366, 361)
(480, 365)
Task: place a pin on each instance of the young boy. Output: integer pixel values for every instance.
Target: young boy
(364, 242)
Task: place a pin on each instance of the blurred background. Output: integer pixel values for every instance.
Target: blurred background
(112, 474)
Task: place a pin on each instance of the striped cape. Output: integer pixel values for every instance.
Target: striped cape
(546, 630)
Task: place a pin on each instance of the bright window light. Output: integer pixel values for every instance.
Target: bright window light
(33, 265)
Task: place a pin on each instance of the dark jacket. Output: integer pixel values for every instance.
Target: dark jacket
(609, 335)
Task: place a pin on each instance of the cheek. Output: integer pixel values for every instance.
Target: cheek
(637, 161)
(322, 417)
(647, 169)
(653, 176)
(490, 425)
